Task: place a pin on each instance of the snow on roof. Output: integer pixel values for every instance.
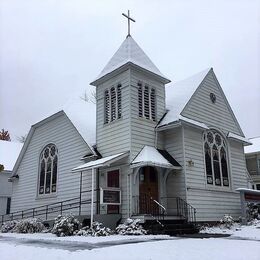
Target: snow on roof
(179, 94)
(193, 122)
(238, 137)
(82, 114)
(255, 147)
(9, 152)
(150, 156)
(106, 161)
(129, 51)
(248, 190)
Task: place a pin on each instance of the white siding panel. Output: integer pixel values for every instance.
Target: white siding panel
(217, 115)
(212, 203)
(176, 180)
(71, 148)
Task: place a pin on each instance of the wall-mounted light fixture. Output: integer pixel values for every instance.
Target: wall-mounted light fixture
(190, 163)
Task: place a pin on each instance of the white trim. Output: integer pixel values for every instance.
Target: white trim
(51, 194)
(103, 162)
(226, 148)
(238, 138)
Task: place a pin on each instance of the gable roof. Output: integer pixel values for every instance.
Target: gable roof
(154, 157)
(82, 115)
(255, 147)
(9, 152)
(130, 52)
(179, 94)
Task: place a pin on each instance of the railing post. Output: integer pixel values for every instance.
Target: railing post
(33, 212)
(2, 219)
(22, 214)
(12, 216)
(46, 212)
(61, 204)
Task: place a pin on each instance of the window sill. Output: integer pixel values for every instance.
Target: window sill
(113, 122)
(218, 188)
(46, 196)
(147, 120)
(213, 189)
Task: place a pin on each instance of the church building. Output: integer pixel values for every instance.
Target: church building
(147, 147)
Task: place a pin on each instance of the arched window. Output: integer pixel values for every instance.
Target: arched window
(107, 106)
(215, 152)
(48, 170)
(113, 104)
(146, 102)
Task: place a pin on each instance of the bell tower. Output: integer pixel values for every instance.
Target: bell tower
(130, 93)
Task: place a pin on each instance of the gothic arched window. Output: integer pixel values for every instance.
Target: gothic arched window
(215, 152)
(48, 170)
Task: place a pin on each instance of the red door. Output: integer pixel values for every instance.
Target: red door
(113, 182)
(148, 190)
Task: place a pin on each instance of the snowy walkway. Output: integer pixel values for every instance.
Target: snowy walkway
(242, 244)
(74, 245)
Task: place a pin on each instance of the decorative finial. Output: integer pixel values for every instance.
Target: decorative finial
(129, 19)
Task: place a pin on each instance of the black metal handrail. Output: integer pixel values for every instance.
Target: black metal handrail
(146, 204)
(172, 206)
(46, 210)
(186, 210)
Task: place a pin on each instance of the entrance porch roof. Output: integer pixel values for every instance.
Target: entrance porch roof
(103, 162)
(150, 156)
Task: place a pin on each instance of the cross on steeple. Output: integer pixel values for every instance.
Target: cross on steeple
(129, 19)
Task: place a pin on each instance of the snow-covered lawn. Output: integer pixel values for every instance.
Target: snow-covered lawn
(244, 232)
(233, 247)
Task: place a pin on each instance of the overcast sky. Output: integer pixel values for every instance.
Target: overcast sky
(51, 50)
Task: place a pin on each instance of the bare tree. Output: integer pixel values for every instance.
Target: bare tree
(4, 135)
(89, 98)
(21, 138)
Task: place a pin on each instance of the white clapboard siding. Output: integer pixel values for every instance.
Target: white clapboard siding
(142, 129)
(212, 203)
(113, 137)
(201, 108)
(176, 180)
(71, 147)
(5, 190)
(123, 173)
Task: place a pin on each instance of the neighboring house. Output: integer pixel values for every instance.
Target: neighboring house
(9, 152)
(252, 153)
(177, 144)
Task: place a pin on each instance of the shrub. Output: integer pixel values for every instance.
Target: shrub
(227, 221)
(97, 230)
(253, 211)
(66, 225)
(8, 226)
(28, 225)
(131, 227)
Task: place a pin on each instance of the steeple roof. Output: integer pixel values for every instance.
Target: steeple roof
(130, 52)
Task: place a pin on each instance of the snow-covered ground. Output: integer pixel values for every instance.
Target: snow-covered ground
(244, 232)
(244, 243)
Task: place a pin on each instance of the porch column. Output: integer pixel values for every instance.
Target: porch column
(92, 197)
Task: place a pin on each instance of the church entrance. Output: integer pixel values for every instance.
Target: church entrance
(148, 189)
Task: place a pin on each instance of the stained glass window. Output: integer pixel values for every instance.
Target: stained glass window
(216, 162)
(48, 170)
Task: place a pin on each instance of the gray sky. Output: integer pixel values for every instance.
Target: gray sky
(52, 50)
